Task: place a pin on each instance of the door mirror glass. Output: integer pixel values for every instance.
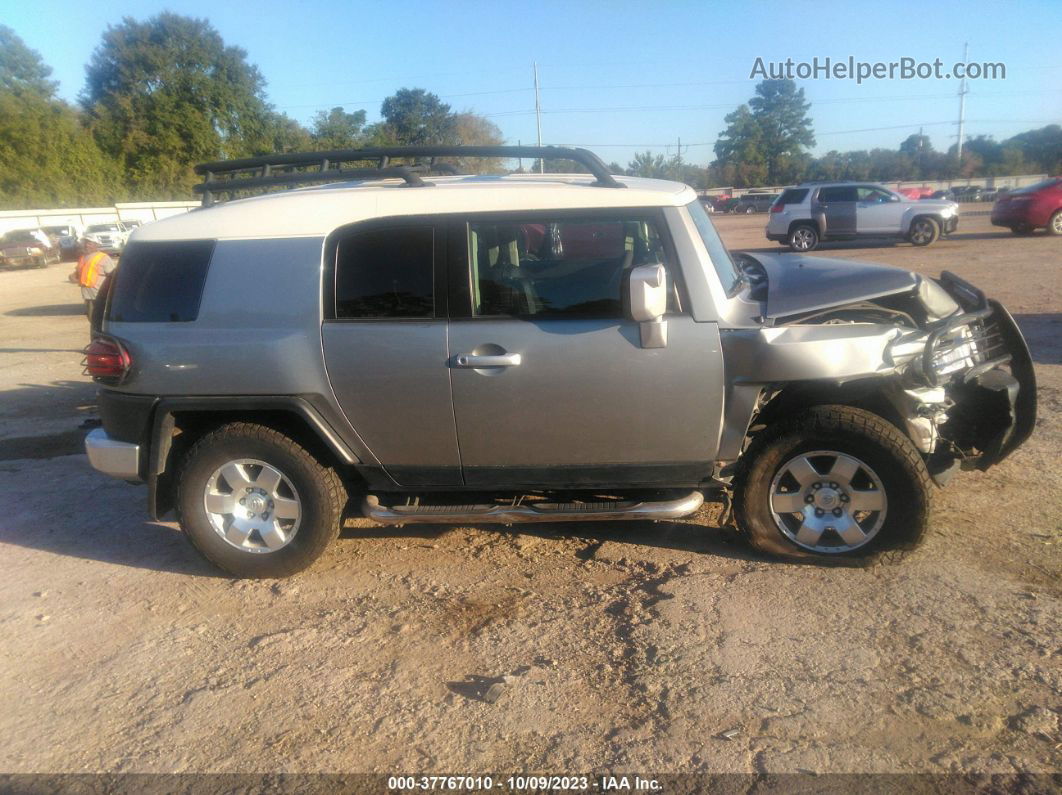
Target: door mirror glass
(648, 291)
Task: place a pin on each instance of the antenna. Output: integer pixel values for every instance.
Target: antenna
(963, 91)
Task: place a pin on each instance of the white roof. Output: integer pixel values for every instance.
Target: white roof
(317, 211)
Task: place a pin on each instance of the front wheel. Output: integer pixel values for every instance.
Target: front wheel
(832, 481)
(257, 504)
(803, 238)
(923, 231)
(1054, 225)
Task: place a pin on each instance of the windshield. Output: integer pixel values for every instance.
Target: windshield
(104, 228)
(724, 266)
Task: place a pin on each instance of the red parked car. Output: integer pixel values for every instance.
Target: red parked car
(1033, 207)
(916, 193)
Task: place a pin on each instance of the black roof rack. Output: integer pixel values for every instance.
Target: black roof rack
(231, 176)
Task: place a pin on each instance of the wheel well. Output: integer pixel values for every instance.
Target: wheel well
(937, 218)
(864, 394)
(806, 222)
(191, 425)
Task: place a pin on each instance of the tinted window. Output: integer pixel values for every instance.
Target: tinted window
(557, 267)
(160, 282)
(841, 193)
(384, 273)
(793, 196)
(873, 195)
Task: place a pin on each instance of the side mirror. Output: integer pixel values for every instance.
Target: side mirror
(648, 302)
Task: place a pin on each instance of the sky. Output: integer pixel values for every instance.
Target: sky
(617, 77)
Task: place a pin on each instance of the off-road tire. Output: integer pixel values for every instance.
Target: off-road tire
(853, 431)
(933, 228)
(320, 489)
(810, 234)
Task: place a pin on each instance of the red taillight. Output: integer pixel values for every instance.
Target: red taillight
(777, 207)
(106, 358)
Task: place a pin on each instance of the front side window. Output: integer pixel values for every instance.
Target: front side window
(386, 273)
(557, 267)
(841, 193)
(874, 195)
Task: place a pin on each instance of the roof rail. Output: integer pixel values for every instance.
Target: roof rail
(231, 176)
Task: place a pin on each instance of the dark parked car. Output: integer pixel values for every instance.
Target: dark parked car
(754, 203)
(27, 248)
(1025, 209)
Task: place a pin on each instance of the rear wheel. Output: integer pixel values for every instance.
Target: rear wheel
(1054, 225)
(1022, 229)
(923, 231)
(803, 238)
(257, 504)
(831, 482)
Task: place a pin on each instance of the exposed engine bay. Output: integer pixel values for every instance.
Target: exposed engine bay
(950, 363)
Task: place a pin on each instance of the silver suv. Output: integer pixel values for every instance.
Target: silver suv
(806, 215)
(528, 348)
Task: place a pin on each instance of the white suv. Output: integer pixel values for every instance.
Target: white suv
(808, 214)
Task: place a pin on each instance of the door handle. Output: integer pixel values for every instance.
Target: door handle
(499, 360)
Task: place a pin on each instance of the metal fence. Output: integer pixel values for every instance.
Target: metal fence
(81, 217)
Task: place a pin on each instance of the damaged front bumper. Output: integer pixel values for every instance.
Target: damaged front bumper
(982, 361)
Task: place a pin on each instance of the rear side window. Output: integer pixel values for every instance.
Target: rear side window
(558, 267)
(793, 196)
(160, 282)
(386, 273)
(841, 193)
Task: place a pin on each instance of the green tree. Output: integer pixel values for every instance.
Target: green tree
(1041, 149)
(338, 129)
(471, 129)
(22, 71)
(281, 133)
(167, 93)
(416, 116)
(916, 144)
(47, 158)
(647, 164)
(740, 155)
(781, 112)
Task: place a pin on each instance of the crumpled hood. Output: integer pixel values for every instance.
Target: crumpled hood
(798, 284)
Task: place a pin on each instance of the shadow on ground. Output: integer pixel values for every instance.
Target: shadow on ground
(139, 544)
(51, 310)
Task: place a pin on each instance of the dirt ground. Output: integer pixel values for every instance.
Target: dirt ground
(659, 648)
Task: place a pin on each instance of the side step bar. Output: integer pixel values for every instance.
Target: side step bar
(534, 512)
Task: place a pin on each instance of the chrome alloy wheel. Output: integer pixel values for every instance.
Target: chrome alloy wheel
(803, 238)
(828, 502)
(1056, 223)
(252, 505)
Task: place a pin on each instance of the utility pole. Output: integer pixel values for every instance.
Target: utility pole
(962, 101)
(680, 150)
(538, 120)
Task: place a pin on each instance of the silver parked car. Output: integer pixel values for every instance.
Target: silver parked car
(808, 214)
(535, 347)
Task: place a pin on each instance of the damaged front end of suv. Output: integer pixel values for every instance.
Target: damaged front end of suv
(935, 356)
